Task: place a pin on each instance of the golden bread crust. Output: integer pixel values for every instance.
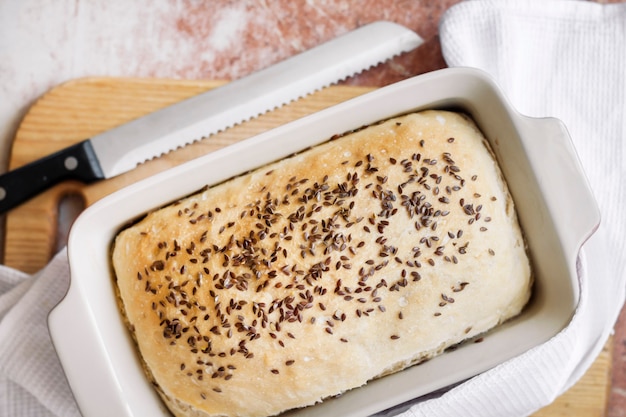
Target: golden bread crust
(322, 271)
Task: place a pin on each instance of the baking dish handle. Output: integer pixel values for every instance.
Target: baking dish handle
(566, 189)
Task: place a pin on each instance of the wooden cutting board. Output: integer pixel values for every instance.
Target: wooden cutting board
(82, 108)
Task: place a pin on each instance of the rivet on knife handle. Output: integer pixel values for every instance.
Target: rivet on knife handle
(74, 162)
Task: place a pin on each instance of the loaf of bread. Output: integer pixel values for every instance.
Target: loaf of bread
(315, 274)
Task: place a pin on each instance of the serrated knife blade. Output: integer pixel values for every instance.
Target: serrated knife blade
(121, 149)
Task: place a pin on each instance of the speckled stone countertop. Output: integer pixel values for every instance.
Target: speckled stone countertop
(45, 43)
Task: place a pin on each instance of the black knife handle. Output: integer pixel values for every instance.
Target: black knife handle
(75, 162)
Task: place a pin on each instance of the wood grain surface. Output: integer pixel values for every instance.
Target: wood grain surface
(82, 108)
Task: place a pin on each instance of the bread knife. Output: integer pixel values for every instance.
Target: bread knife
(121, 149)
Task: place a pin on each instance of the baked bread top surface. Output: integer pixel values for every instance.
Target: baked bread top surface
(317, 273)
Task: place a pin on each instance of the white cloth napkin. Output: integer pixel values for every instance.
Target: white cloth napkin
(552, 58)
(32, 383)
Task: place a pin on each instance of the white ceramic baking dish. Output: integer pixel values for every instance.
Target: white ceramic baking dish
(555, 205)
